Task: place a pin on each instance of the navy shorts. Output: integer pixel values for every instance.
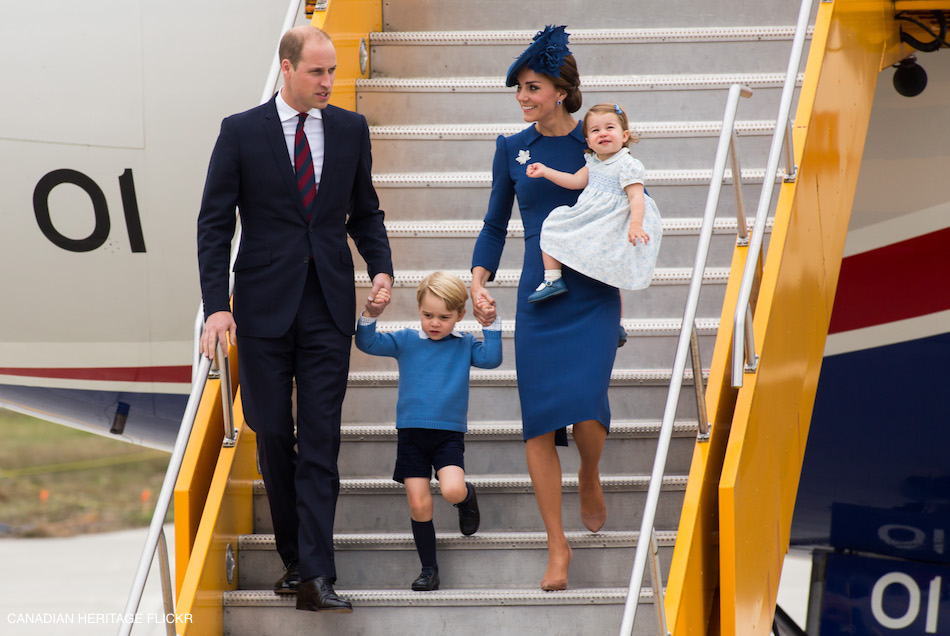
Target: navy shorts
(419, 450)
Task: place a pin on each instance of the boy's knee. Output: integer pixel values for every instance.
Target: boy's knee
(455, 492)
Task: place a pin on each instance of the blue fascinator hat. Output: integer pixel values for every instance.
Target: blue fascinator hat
(545, 55)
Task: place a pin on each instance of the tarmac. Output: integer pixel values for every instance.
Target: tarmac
(80, 585)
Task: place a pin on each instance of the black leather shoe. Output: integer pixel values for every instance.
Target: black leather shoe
(469, 518)
(427, 581)
(317, 595)
(287, 584)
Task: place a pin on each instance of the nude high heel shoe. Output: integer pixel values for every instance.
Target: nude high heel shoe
(554, 584)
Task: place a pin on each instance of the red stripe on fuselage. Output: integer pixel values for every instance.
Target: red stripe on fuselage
(110, 374)
(895, 282)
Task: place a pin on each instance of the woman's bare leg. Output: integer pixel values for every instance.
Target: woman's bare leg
(590, 437)
(544, 466)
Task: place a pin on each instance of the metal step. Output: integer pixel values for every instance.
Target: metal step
(369, 450)
(423, 196)
(461, 148)
(656, 343)
(423, 247)
(456, 100)
(489, 560)
(506, 503)
(443, 612)
(439, 15)
(662, 299)
(746, 49)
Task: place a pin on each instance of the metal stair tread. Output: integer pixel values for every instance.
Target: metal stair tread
(504, 484)
(478, 377)
(511, 277)
(483, 178)
(633, 326)
(646, 130)
(458, 596)
(590, 36)
(579, 539)
(438, 228)
(683, 81)
(511, 429)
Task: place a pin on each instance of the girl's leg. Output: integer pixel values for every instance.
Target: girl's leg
(590, 437)
(544, 466)
(550, 263)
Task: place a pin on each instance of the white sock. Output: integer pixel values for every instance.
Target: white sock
(552, 275)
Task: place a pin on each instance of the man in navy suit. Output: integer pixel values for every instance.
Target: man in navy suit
(294, 303)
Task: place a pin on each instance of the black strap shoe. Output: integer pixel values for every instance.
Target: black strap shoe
(469, 517)
(317, 595)
(427, 580)
(288, 583)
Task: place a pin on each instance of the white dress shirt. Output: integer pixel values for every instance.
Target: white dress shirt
(312, 127)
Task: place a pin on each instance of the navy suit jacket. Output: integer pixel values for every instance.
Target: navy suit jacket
(251, 170)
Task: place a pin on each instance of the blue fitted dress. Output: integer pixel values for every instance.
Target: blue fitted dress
(564, 347)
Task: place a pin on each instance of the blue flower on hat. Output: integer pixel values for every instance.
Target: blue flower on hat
(545, 55)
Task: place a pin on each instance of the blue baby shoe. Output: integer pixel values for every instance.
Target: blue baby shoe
(549, 289)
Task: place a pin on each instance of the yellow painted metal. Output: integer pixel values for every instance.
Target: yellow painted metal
(759, 482)
(197, 469)
(693, 581)
(349, 23)
(227, 515)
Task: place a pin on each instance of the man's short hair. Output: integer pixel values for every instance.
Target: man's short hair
(291, 44)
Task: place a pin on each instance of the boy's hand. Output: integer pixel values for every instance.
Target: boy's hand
(536, 170)
(637, 233)
(376, 303)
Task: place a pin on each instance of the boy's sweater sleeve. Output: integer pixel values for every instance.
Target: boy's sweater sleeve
(487, 354)
(377, 344)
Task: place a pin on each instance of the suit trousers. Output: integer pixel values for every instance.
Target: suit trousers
(303, 483)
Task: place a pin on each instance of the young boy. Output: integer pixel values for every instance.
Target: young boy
(432, 408)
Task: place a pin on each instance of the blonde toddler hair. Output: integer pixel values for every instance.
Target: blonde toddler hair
(450, 289)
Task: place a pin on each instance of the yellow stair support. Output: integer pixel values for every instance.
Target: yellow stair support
(734, 531)
(349, 23)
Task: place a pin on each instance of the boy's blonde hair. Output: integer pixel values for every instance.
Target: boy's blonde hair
(621, 115)
(450, 289)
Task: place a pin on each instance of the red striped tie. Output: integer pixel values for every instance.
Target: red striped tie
(303, 164)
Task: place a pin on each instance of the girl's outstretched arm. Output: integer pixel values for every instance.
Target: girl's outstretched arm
(576, 181)
(637, 210)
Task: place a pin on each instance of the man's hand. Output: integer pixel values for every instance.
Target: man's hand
(375, 305)
(381, 282)
(219, 327)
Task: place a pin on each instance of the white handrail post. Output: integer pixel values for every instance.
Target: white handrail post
(679, 363)
(782, 124)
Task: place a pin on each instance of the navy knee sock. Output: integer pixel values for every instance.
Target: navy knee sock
(424, 534)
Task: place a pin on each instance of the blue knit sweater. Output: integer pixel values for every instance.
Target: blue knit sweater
(433, 374)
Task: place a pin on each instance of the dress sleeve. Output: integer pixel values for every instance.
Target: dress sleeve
(631, 171)
(491, 240)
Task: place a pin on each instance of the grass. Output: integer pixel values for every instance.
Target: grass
(59, 481)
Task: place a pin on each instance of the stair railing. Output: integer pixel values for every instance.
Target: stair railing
(744, 358)
(688, 345)
(155, 540)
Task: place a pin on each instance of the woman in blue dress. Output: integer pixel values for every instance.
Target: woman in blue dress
(565, 347)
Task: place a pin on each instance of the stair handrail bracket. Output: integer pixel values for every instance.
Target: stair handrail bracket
(683, 349)
(744, 358)
(155, 540)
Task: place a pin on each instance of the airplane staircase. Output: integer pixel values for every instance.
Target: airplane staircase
(435, 100)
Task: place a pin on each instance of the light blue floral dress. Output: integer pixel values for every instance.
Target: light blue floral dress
(591, 235)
